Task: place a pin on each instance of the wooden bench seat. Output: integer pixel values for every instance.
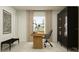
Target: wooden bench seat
(9, 41)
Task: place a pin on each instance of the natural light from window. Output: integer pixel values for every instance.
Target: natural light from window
(38, 23)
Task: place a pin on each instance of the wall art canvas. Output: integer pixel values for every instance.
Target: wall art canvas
(6, 22)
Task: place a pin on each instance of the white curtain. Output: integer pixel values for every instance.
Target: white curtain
(48, 17)
(30, 25)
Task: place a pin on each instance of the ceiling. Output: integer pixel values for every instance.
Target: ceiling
(38, 7)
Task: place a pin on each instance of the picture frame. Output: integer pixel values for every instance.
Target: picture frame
(6, 22)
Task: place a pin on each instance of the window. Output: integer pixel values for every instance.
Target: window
(39, 24)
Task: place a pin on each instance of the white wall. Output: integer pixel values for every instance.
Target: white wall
(13, 21)
(22, 25)
(54, 25)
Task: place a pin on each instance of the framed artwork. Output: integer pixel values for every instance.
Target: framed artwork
(6, 22)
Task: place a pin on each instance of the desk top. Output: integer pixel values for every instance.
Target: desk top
(38, 34)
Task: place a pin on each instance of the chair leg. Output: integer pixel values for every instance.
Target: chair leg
(50, 44)
(45, 45)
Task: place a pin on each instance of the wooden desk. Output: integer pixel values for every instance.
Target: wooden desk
(37, 41)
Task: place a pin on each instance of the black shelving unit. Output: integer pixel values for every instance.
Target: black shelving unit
(67, 28)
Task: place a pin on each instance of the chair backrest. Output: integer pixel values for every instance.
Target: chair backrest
(48, 35)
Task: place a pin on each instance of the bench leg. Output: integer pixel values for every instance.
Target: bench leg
(18, 41)
(1, 46)
(10, 47)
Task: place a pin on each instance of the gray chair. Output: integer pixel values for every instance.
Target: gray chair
(47, 37)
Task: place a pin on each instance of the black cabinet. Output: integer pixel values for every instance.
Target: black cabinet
(67, 27)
